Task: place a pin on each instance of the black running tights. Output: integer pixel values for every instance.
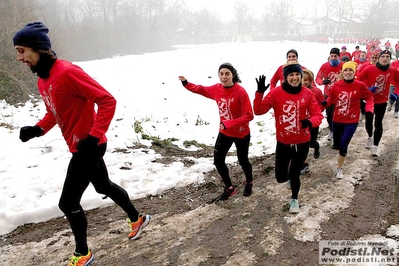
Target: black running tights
(82, 171)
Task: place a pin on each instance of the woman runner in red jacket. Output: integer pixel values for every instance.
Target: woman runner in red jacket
(295, 111)
(235, 113)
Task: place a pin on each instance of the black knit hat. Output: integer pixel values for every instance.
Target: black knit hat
(385, 52)
(228, 66)
(33, 35)
(292, 51)
(292, 67)
(335, 50)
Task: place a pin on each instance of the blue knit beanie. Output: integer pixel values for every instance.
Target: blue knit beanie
(33, 35)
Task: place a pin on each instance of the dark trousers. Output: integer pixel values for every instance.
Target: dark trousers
(82, 171)
(314, 133)
(329, 114)
(378, 116)
(343, 134)
(289, 161)
(222, 146)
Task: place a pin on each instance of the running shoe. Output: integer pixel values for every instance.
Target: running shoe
(316, 154)
(80, 260)
(330, 136)
(248, 189)
(227, 193)
(138, 226)
(294, 206)
(374, 151)
(339, 174)
(305, 168)
(369, 143)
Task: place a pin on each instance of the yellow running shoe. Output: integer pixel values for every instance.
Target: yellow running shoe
(79, 260)
(138, 226)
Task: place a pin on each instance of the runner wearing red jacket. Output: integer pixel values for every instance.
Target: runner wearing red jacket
(344, 52)
(378, 78)
(346, 95)
(308, 81)
(397, 50)
(361, 62)
(295, 111)
(235, 113)
(393, 96)
(327, 75)
(292, 55)
(70, 96)
(356, 53)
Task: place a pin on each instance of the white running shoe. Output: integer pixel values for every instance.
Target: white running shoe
(369, 143)
(294, 206)
(374, 151)
(339, 174)
(330, 136)
(395, 114)
(389, 107)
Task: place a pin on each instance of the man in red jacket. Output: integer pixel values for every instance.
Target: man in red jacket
(296, 111)
(327, 76)
(70, 96)
(292, 55)
(378, 78)
(356, 53)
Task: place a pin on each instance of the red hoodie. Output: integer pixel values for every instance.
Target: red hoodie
(317, 94)
(373, 76)
(235, 110)
(346, 97)
(327, 71)
(289, 110)
(69, 95)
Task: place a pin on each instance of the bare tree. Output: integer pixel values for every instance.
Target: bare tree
(16, 81)
(243, 17)
(275, 19)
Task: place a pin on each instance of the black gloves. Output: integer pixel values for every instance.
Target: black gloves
(326, 81)
(324, 103)
(306, 123)
(29, 132)
(88, 147)
(261, 84)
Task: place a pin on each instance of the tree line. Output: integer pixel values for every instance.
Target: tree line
(83, 30)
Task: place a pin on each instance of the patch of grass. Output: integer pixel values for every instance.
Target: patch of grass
(201, 122)
(188, 143)
(138, 128)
